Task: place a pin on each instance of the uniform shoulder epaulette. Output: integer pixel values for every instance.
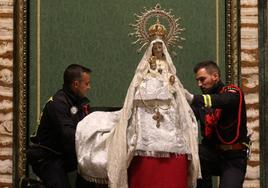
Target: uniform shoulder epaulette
(50, 99)
(232, 89)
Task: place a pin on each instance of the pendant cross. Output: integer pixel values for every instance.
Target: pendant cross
(158, 117)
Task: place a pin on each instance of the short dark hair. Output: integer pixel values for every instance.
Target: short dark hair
(74, 72)
(209, 65)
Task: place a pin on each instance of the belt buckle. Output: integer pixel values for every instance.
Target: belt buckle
(225, 147)
(228, 147)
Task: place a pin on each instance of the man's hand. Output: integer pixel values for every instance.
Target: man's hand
(189, 96)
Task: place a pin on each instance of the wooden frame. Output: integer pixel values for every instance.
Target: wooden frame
(263, 56)
(232, 41)
(21, 74)
(20, 91)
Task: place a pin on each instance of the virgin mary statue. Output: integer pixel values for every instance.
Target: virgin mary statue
(153, 140)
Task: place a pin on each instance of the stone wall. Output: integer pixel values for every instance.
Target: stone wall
(6, 92)
(250, 84)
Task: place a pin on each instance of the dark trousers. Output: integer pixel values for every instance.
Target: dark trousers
(52, 173)
(53, 169)
(230, 166)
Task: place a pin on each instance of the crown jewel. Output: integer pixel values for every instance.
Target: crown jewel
(157, 31)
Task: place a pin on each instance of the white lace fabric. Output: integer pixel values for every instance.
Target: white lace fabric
(120, 151)
(107, 141)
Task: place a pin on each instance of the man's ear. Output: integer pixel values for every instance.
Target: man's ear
(75, 84)
(216, 76)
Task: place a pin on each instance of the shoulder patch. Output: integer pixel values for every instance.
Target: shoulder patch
(232, 89)
(50, 99)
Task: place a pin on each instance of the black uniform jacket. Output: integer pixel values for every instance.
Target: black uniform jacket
(222, 115)
(56, 132)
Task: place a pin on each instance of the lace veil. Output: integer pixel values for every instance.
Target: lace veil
(120, 153)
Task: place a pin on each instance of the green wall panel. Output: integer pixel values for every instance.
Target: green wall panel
(95, 34)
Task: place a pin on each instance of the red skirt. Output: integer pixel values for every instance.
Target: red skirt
(151, 172)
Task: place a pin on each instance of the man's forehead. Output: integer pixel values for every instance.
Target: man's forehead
(85, 75)
(199, 77)
(202, 71)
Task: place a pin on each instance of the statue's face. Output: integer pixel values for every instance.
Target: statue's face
(158, 50)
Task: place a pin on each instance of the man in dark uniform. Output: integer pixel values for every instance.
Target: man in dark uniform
(222, 115)
(52, 152)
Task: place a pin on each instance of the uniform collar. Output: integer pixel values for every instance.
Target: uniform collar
(76, 100)
(73, 97)
(216, 88)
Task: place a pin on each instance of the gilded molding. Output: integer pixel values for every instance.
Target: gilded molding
(20, 89)
(21, 74)
(232, 42)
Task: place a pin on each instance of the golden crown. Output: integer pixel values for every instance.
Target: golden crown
(157, 30)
